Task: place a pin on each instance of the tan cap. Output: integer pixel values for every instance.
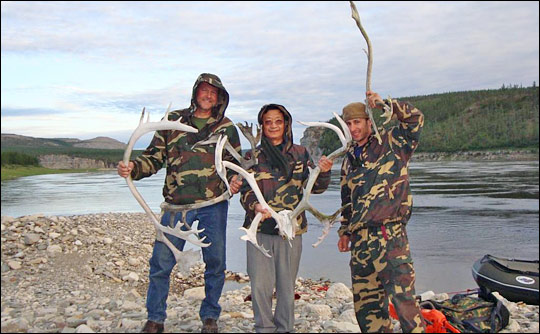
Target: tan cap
(354, 110)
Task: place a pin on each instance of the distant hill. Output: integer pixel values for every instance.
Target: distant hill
(13, 140)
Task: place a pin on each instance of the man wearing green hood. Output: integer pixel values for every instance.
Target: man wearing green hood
(191, 178)
(281, 173)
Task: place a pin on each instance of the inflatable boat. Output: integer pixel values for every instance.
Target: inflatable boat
(515, 280)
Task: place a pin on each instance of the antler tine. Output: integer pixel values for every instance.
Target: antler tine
(142, 115)
(220, 169)
(166, 117)
(251, 234)
(344, 127)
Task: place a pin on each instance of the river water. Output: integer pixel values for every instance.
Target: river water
(462, 210)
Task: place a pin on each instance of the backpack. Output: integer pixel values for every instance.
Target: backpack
(470, 314)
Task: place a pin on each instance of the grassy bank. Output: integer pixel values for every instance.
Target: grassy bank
(12, 172)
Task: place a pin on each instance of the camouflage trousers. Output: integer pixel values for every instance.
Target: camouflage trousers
(382, 269)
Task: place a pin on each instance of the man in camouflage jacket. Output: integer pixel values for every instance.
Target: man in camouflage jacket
(281, 173)
(374, 179)
(191, 178)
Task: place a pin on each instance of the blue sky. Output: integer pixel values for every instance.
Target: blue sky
(86, 69)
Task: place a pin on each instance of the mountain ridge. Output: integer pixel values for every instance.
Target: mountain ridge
(100, 142)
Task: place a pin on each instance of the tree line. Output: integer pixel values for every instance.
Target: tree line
(17, 158)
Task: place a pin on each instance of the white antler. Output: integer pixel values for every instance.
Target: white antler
(327, 220)
(143, 128)
(283, 225)
(251, 234)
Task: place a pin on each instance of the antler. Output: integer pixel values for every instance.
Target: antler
(387, 110)
(285, 227)
(328, 221)
(143, 128)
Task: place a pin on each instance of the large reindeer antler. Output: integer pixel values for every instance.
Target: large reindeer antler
(284, 225)
(387, 110)
(327, 220)
(143, 128)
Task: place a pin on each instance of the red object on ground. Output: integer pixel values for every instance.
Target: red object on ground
(435, 320)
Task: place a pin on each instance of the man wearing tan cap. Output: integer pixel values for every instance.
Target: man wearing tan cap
(374, 179)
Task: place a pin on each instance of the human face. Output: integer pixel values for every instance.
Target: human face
(274, 126)
(360, 129)
(207, 96)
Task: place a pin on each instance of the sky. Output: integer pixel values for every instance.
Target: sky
(87, 69)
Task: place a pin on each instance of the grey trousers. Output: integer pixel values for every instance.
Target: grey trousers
(280, 272)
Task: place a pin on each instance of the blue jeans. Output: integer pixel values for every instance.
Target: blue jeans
(214, 221)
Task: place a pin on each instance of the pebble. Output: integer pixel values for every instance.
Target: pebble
(89, 274)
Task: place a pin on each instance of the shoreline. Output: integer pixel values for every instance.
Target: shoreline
(497, 155)
(89, 273)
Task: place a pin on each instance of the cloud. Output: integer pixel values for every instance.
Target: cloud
(109, 58)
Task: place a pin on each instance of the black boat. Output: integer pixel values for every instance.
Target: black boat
(515, 280)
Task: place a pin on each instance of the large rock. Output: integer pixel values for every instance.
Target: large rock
(339, 291)
(310, 141)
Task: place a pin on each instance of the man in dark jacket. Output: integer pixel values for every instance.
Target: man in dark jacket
(281, 173)
(375, 180)
(191, 179)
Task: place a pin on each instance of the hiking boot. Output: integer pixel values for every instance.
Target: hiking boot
(152, 327)
(209, 326)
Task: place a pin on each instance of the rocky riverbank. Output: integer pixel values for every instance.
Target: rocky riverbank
(89, 273)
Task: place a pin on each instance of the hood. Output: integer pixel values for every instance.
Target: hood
(223, 96)
(287, 134)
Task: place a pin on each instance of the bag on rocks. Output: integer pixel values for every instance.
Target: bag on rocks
(470, 314)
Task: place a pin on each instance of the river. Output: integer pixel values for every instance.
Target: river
(462, 210)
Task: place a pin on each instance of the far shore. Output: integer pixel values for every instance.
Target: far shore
(12, 172)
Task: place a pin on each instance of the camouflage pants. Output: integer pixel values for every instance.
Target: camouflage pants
(382, 269)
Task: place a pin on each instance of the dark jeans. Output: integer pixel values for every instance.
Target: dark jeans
(214, 221)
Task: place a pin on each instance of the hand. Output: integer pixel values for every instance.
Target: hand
(325, 164)
(235, 184)
(124, 171)
(374, 100)
(265, 213)
(344, 243)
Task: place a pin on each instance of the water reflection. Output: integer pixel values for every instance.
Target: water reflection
(462, 210)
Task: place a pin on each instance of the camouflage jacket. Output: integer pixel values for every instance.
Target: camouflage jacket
(376, 180)
(278, 193)
(191, 172)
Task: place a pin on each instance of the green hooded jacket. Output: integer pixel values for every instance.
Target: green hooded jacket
(191, 172)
